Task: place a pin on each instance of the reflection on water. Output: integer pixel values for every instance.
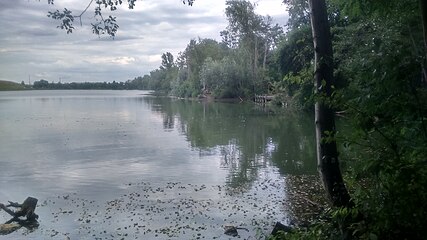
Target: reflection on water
(93, 144)
(247, 137)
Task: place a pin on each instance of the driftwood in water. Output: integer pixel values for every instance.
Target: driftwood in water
(9, 228)
(232, 230)
(279, 227)
(26, 209)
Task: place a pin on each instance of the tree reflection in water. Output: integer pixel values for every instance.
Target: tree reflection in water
(248, 137)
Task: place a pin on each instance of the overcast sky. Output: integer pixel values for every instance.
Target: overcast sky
(31, 45)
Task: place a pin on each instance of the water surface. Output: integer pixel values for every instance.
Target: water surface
(114, 153)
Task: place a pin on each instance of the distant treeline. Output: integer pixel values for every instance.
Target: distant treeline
(128, 85)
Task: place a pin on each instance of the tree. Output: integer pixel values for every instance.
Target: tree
(270, 34)
(387, 9)
(190, 63)
(223, 78)
(294, 58)
(253, 36)
(167, 61)
(42, 84)
(299, 13)
(327, 154)
(423, 8)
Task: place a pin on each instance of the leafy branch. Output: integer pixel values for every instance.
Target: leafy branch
(101, 25)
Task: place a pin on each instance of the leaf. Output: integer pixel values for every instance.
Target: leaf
(372, 236)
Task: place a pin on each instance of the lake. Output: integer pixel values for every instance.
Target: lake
(127, 164)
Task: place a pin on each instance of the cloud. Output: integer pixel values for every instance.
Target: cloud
(31, 44)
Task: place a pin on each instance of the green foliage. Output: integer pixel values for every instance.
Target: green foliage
(296, 51)
(42, 84)
(167, 61)
(379, 64)
(334, 224)
(187, 81)
(253, 37)
(230, 69)
(364, 9)
(242, 19)
(386, 99)
(299, 14)
(300, 87)
(295, 57)
(224, 78)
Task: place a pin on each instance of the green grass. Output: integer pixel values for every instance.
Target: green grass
(10, 86)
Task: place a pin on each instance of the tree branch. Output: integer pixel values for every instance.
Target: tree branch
(27, 209)
(10, 212)
(102, 26)
(83, 12)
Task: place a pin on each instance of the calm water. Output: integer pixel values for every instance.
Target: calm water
(87, 155)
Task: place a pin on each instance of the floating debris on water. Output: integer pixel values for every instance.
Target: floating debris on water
(176, 210)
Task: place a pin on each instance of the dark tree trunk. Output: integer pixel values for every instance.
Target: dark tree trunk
(327, 154)
(423, 9)
(264, 61)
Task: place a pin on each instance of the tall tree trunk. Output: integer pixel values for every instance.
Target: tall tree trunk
(327, 154)
(423, 9)
(264, 61)
(256, 57)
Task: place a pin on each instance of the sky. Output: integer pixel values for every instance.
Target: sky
(33, 48)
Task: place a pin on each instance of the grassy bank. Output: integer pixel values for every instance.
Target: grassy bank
(10, 86)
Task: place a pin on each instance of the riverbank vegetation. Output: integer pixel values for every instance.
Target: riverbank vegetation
(380, 86)
(238, 67)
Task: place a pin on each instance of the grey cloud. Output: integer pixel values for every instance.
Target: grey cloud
(6, 5)
(39, 32)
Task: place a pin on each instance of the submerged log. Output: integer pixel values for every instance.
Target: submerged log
(9, 228)
(232, 230)
(26, 209)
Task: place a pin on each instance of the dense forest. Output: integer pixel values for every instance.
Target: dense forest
(379, 86)
(244, 63)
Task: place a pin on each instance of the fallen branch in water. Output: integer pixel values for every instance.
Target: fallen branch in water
(26, 209)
